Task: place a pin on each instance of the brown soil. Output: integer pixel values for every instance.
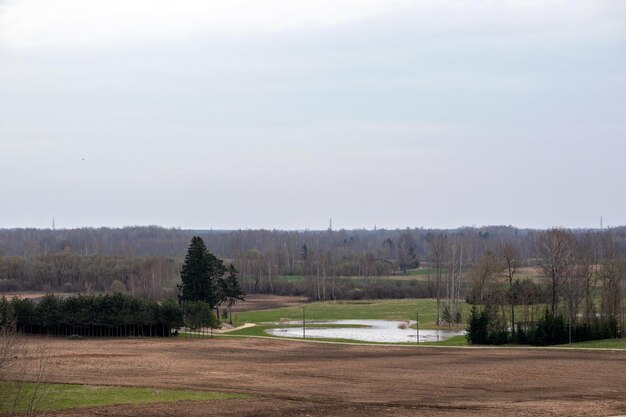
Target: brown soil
(266, 302)
(310, 379)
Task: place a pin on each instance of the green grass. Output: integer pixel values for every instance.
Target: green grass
(453, 341)
(598, 344)
(350, 310)
(422, 271)
(64, 396)
(288, 278)
(346, 310)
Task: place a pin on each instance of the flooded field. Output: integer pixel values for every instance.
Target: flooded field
(382, 331)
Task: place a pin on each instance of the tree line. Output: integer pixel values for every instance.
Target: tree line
(330, 264)
(206, 284)
(582, 298)
(90, 315)
(152, 277)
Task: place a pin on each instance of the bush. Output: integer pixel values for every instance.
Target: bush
(499, 337)
(485, 327)
(117, 287)
(549, 330)
(478, 327)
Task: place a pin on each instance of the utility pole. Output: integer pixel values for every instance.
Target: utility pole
(569, 329)
(303, 325)
(417, 327)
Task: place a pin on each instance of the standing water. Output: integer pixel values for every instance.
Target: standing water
(383, 331)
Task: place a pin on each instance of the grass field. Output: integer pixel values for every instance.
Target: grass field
(260, 331)
(598, 344)
(375, 309)
(347, 310)
(288, 278)
(64, 396)
(419, 274)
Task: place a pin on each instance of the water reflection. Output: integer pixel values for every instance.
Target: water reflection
(384, 331)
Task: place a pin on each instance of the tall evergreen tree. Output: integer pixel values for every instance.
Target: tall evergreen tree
(197, 274)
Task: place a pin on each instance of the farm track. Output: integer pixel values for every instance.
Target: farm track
(298, 379)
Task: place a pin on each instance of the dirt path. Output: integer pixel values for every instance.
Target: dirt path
(292, 378)
(243, 326)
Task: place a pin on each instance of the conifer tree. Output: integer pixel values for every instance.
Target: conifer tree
(197, 274)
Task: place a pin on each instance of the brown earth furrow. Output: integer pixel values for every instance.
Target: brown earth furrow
(296, 378)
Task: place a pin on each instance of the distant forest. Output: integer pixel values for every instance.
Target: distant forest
(322, 265)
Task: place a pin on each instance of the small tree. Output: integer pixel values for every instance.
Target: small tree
(511, 259)
(477, 327)
(198, 315)
(171, 316)
(556, 247)
(232, 290)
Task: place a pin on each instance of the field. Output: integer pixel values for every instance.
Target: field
(265, 302)
(286, 378)
(62, 396)
(339, 310)
(420, 274)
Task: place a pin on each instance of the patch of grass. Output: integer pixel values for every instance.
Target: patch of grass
(422, 271)
(453, 341)
(64, 396)
(598, 344)
(260, 330)
(347, 310)
(288, 278)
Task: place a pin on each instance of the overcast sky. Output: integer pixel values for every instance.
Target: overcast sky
(283, 114)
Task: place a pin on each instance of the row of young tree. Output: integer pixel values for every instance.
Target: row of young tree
(115, 315)
(583, 296)
(488, 327)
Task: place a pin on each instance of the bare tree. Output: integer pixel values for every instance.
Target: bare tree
(483, 272)
(511, 259)
(556, 247)
(613, 275)
(438, 248)
(406, 251)
(585, 275)
(15, 369)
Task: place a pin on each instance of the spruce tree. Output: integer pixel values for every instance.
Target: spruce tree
(197, 274)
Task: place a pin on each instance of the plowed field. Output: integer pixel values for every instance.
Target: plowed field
(311, 379)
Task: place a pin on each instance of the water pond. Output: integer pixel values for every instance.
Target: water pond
(383, 331)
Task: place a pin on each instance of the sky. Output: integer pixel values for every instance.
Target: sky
(282, 115)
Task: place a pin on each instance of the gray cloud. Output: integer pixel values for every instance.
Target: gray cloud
(434, 117)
